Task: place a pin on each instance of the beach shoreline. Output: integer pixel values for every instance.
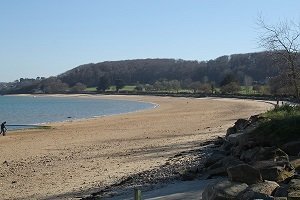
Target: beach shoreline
(72, 157)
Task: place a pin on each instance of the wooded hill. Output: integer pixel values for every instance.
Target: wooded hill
(258, 66)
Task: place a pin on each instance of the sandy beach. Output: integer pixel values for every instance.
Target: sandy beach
(76, 156)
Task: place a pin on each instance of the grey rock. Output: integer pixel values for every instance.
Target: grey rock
(248, 155)
(295, 162)
(266, 187)
(231, 130)
(281, 191)
(235, 138)
(271, 153)
(274, 171)
(244, 173)
(214, 157)
(292, 148)
(241, 124)
(294, 188)
(223, 190)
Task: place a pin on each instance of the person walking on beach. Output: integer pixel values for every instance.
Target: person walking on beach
(3, 128)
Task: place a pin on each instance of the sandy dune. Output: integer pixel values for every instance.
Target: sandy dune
(76, 156)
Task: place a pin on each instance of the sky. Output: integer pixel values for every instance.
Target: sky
(48, 37)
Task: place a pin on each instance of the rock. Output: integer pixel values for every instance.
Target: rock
(226, 146)
(248, 155)
(254, 118)
(188, 176)
(281, 191)
(220, 171)
(274, 171)
(250, 195)
(214, 157)
(226, 162)
(294, 188)
(241, 124)
(295, 162)
(223, 190)
(292, 148)
(231, 130)
(271, 153)
(219, 141)
(266, 187)
(244, 173)
(235, 138)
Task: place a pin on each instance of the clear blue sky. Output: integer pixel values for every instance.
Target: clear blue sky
(48, 37)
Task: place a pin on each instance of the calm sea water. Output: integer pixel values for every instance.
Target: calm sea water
(28, 110)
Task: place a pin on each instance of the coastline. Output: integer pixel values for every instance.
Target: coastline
(82, 96)
(73, 157)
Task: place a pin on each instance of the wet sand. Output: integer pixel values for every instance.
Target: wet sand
(73, 157)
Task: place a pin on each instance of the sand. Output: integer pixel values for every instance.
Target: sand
(80, 156)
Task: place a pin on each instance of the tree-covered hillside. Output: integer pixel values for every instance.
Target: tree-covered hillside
(257, 66)
(249, 70)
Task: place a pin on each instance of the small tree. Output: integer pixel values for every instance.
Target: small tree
(229, 78)
(230, 88)
(78, 87)
(283, 42)
(195, 86)
(103, 84)
(119, 84)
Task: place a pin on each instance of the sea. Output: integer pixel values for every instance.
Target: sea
(21, 112)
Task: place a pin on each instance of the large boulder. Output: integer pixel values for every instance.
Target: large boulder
(266, 187)
(274, 171)
(241, 124)
(294, 189)
(244, 173)
(219, 168)
(271, 153)
(223, 190)
(292, 148)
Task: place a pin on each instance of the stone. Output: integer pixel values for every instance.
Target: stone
(227, 161)
(266, 187)
(271, 153)
(226, 146)
(294, 188)
(248, 155)
(254, 118)
(223, 190)
(214, 157)
(250, 195)
(235, 138)
(219, 141)
(295, 162)
(231, 130)
(274, 171)
(220, 171)
(292, 148)
(244, 173)
(241, 124)
(281, 191)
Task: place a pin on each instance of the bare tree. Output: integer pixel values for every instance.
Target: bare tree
(283, 42)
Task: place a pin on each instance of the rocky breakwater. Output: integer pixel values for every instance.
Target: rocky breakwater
(257, 166)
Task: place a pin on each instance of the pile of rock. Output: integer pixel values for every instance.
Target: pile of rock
(256, 167)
